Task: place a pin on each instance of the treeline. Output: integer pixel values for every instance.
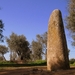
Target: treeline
(20, 48)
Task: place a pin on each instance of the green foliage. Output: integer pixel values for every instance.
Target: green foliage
(3, 49)
(39, 46)
(31, 63)
(72, 61)
(43, 40)
(72, 64)
(38, 62)
(1, 30)
(13, 64)
(71, 15)
(37, 49)
(7, 62)
(70, 19)
(19, 44)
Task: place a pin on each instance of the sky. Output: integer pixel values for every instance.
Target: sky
(30, 17)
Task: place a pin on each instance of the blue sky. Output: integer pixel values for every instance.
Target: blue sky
(30, 17)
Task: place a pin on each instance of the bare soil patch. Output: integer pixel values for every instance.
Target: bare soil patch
(35, 71)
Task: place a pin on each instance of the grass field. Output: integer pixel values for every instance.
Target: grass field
(31, 63)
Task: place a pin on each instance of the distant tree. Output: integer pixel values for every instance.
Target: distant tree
(43, 40)
(36, 50)
(1, 30)
(3, 50)
(70, 19)
(19, 44)
(38, 47)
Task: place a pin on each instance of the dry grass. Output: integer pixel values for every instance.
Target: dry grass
(34, 71)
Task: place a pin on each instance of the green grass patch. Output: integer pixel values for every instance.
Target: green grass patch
(39, 62)
(31, 63)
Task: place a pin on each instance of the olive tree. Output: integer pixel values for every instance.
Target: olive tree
(19, 45)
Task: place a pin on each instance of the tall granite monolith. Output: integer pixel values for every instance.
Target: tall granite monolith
(57, 51)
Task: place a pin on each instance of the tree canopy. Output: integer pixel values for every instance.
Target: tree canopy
(70, 19)
(36, 50)
(19, 44)
(39, 45)
(3, 50)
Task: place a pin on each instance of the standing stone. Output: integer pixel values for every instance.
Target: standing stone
(57, 52)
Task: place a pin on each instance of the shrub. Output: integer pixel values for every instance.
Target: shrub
(38, 62)
(72, 61)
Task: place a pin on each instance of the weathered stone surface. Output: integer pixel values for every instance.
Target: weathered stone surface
(57, 52)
